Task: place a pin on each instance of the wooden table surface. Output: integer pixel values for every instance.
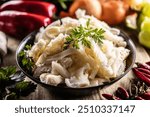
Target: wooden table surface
(142, 55)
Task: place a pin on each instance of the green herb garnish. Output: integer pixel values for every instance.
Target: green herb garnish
(62, 3)
(11, 88)
(5, 74)
(24, 88)
(5, 80)
(81, 34)
(28, 47)
(26, 61)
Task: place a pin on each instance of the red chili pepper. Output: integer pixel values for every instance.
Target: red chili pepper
(21, 23)
(145, 66)
(110, 97)
(122, 93)
(36, 7)
(138, 98)
(146, 96)
(141, 76)
(143, 70)
(147, 75)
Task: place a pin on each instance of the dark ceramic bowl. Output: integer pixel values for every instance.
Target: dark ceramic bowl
(67, 91)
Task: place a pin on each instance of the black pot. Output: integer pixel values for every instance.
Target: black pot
(67, 91)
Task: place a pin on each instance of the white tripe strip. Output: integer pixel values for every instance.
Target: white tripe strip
(48, 78)
(55, 46)
(60, 55)
(117, 40)
(105, 69)
(37, 49)
(80, 79)
(121, 55)
(59, 69)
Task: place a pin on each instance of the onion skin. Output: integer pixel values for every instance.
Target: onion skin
(93, 7)
(113, 11)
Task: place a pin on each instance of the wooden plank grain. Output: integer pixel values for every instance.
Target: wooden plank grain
(10, 58)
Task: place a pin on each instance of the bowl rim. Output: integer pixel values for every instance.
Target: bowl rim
(122, 33)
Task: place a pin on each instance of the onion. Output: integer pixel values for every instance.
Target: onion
(113, 11)
(92, 7)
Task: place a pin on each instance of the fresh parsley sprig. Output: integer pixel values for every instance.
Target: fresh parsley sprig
(81, 34)
(4, 76)
(23, 88)
(11, 87)
(26, 61)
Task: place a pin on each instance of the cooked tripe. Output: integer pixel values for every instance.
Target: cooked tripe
(80, 52)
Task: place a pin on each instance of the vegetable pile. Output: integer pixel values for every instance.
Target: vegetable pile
(101, 9)
(12, 84)
(139, 88)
